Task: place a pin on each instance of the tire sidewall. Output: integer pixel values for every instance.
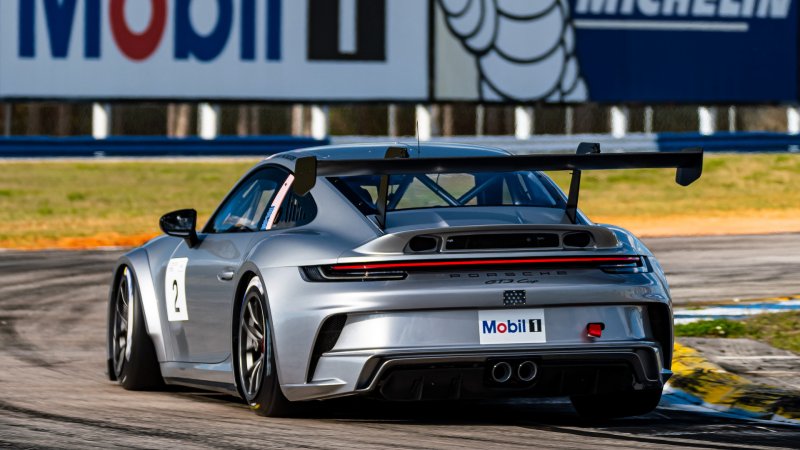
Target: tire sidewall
(135, 320)
(140, 370)
(269, 400)
(253, 288)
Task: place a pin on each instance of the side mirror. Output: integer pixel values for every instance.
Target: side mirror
(182, 224)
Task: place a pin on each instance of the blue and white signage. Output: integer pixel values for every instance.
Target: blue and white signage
(617, 50)
(691, 51)
(512, 326)
(216, 49)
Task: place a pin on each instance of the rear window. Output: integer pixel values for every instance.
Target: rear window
(413, 191)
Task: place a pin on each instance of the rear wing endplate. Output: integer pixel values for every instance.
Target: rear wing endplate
(688, 162)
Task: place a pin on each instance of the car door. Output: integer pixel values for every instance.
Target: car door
(200, 319)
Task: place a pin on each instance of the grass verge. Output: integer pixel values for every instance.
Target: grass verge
(83, 204)
(781, 330)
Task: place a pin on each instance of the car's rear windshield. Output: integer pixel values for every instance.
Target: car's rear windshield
(414, 191)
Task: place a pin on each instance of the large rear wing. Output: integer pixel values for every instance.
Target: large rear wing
(688, 162)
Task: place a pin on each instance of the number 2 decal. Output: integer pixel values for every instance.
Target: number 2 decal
(175, 301)
(175, 290)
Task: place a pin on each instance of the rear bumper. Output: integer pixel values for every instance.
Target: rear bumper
(409, 374)
(329, 336)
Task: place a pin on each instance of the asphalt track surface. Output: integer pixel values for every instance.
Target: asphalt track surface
(54, 391)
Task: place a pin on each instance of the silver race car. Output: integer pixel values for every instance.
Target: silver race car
(403, 273)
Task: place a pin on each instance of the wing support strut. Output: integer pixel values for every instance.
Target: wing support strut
(584, 148)
(383, 188)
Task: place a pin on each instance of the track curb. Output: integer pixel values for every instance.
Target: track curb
(701, 382)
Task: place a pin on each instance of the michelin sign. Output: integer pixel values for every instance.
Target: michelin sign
(401, 50)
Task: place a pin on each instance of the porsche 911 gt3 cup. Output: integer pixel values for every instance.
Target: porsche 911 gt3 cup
(403, 273)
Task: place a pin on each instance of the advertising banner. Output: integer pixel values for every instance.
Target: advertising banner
(275, 50)
(509, 51)
(690, 51)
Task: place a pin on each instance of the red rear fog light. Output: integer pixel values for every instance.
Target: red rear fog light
(595, 329)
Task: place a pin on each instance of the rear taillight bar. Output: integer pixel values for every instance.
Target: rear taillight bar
(593, 261)
(399, 270)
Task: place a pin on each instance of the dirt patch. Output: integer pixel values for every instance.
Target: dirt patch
(82, 243)
(741, 222)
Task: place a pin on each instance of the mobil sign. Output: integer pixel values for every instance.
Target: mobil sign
(218, 49)
(139, 43)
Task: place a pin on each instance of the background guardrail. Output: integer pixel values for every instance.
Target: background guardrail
(740, 142)
(70, 147)
(50, 147)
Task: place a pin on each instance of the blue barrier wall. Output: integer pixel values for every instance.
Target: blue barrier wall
(54, 147)
(741, 142)
(50, 147)
(745, 142)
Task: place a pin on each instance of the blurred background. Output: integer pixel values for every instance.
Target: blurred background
(113, 112)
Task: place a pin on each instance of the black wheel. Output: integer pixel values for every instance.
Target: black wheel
(255, 357)
(621, 404)
(133, 360)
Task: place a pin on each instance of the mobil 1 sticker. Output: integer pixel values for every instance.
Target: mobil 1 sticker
(521, 326)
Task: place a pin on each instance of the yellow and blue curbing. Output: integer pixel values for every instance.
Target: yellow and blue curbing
(735, 309)
(698, 381)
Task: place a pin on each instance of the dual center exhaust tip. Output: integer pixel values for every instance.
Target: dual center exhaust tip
(525, 371)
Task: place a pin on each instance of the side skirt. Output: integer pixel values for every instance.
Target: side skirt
(217, 377)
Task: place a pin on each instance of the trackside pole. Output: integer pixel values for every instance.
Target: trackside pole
(178, 120)
(480, 120)
(101, 120)
(255, 120)
(9, 110)
(732, 119)
(620, 118)
(243, 120)
(648, 119)
(392, 121)
(523, 122)
(569, 120)
(707, 116)
(424, 122)
(207, 120)
(793, 120)
(320, 122)
(298, 120)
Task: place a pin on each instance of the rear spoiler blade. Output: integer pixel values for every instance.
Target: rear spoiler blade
(688, 162)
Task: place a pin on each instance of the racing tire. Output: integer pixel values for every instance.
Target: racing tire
(620, 404)
(133, 361)
(256, 370)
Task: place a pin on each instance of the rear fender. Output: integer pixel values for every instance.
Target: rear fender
(138, 262)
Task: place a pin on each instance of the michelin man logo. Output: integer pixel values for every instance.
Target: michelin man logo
(524, 49)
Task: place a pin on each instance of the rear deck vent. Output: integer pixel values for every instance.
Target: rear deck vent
(502, 241)
(577, 239)
(419, 244)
